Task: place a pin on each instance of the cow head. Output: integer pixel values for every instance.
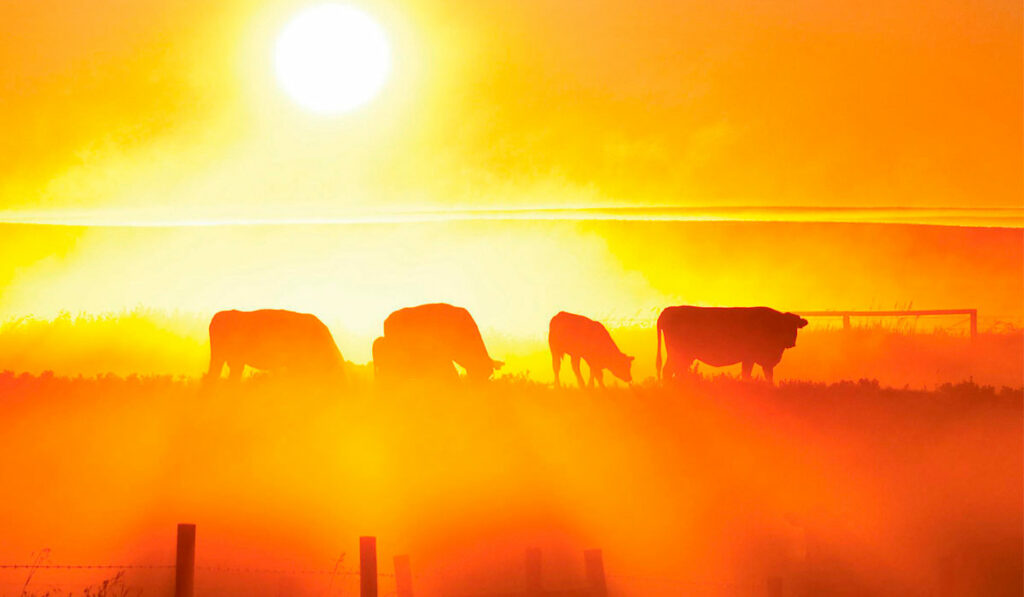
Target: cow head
(792, 323)
(484, 371)
(620, 367)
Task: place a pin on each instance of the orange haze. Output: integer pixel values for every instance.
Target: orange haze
(172, 111)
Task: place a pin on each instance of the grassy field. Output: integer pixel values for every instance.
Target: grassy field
(709, 487)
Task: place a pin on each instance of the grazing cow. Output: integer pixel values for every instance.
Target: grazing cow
(422, 342)
(394, 361)
(583, 338)
(725, 336)
(274, 340)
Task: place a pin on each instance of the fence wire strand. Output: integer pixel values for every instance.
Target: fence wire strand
(86, 566)
(228, 569)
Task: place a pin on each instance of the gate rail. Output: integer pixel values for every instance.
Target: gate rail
(846, 315)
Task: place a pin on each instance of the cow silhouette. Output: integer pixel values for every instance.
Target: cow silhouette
(725, 336)
(583, 338)
(421, 343)
(272, 340)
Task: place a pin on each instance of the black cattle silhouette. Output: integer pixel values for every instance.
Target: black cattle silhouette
(722, 336)
(583, 338)
(273, 340)
(421, 343)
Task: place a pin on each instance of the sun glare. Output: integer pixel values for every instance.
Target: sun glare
(332, 58)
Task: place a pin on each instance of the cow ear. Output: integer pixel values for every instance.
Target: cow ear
(497, 364)
(801, 322)
(630, 359)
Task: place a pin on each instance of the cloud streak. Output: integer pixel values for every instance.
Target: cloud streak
(998, 217)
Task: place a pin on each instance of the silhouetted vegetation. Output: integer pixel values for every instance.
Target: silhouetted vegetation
(111, 587)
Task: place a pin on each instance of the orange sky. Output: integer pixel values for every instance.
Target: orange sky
(171, 108)
(168, 112)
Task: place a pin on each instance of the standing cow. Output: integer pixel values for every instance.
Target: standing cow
(725, 336)
(422, 343)
(274, 340)
(583, 338)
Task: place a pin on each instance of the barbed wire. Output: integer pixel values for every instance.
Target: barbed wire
(287, 571)
(279, 571)
(227, 569)
(85, 566)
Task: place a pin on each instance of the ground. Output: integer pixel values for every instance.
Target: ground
(715, 484)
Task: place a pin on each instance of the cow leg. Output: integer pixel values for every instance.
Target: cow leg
(676, 367)
(450, 373)
(235, 371)
(576, 369)
(747, 368)
(769, 373)
(668, 369)
(216, 366)
(597, 374)
(688, 367)
(556, 365)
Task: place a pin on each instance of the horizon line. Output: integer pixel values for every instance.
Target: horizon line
(978, 217)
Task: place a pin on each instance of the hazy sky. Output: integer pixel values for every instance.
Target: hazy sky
(172, 107)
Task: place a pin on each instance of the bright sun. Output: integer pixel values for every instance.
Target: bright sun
(331, 58)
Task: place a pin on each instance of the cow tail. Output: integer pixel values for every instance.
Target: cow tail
(657, 360)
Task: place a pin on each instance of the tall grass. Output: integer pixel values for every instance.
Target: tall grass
(114, 586)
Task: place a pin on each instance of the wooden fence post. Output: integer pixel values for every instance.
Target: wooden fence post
(533, 578)
(185, 561)
(367, 567)
(593, 564)
(403, 576)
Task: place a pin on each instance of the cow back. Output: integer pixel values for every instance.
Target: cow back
(274, 338)
(579, 335)
(439, 331)
(726, 335)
